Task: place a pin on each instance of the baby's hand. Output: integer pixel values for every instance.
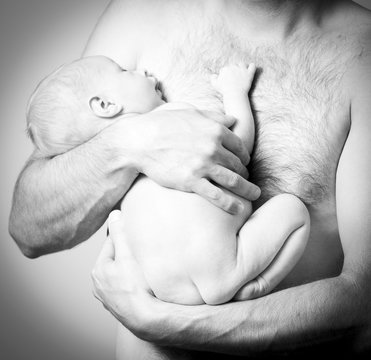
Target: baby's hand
(234, 78)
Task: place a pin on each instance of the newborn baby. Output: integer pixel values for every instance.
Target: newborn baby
(78, 100)
(191, 252)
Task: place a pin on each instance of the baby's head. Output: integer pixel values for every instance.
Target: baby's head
(78, 100)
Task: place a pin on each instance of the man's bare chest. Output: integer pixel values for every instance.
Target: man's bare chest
(299, 108)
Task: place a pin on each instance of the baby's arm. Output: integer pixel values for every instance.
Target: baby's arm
(234, 83)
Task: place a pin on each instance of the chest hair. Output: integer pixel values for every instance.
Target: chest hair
(297, 99)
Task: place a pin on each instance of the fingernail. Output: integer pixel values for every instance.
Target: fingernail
(257, 193)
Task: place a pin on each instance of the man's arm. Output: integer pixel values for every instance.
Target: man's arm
(59, 202)
(321, 312)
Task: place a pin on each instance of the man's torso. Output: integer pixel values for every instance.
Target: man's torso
(301, 112)
(300, 105)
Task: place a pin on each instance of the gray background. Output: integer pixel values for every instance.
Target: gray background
(47, 310)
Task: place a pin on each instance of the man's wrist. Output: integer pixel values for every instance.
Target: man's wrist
(155, 322)
(124, 142)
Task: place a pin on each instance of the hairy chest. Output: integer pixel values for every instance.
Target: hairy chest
(301, 113)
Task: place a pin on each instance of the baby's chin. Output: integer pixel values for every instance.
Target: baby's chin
(161, 100)
(159, 94)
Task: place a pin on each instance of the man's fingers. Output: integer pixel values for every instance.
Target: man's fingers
(232, 162)
(107, 253)
(235, 183)
(233, 143)
(115, 225)
(218, 197)
(118, 236)
(225, 120)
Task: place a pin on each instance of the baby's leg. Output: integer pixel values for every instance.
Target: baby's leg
(265, 249)
(270, 244)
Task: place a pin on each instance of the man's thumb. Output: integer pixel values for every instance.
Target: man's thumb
(117, 234)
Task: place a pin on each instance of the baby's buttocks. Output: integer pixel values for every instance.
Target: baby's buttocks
(163, 223)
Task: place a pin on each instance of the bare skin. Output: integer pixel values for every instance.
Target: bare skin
(312, 112)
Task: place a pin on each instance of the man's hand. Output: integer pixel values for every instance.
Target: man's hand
(189, 150)
(119, 283)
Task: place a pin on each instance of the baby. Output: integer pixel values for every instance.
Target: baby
(78, 100)
(191, 252)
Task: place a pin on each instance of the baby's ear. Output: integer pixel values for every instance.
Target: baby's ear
(104, 108)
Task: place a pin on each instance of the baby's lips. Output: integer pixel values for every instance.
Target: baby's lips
(152, 78)
(156, 82)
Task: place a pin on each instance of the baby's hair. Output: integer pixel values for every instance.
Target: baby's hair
(56, 103)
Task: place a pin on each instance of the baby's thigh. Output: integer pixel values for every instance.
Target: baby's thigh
(270, 226)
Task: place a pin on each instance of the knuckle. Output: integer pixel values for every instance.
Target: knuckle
(262, 285)
(229, 205)
(198, 165)
(240, 146)
(233, 180)
(94, 273)
(240, 168)
(190, 183)
(217, 132)
(211, 149)
(215, 171)
(236, 166)
(215, 194)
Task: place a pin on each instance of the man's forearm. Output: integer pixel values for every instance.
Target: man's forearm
(62, 201)
(295, 318)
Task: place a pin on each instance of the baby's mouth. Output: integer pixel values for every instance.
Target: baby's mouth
(158, 87)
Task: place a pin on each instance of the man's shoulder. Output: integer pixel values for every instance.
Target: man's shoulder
(140, 5)
(362, 30)
(356, 21)
(350, 30)
(347, 19)
(124, 28)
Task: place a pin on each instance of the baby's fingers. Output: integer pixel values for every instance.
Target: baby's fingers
(217, 197)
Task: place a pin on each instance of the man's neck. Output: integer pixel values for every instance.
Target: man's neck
(269, 19)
